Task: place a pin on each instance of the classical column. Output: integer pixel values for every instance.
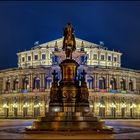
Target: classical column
(94, 83)
(42, 81)
(97, 80)
(31, 82)
(20, 83)
(11, 84)
(127, 83)
(4, 85)
(107, 82)
(117, 82)
(98, 57)
(106, 58)
(112, 59)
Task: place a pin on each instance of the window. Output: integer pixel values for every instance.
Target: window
(29, 58)
(94, 56)
(102, 57)
(115, 59)
(23, 59)
(36, 57)
(109, 58)
(43, 56)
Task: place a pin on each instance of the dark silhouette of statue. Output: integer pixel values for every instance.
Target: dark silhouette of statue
(69, 44)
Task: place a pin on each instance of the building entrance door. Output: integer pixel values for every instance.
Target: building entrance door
(6, 112)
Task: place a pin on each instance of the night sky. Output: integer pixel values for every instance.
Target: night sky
(117, 24)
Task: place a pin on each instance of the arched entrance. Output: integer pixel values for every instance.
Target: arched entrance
(36, 108)
(25, 109)
(123, 110)
(132, 110)
(102, 108)
(6, 110)
(113, 110)
(15, 109)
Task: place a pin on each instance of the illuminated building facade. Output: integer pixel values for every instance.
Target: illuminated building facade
(114, 91)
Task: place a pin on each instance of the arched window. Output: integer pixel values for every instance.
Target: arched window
(123, 110)
(36, 83)
(90, 82)
(102, 108)
(48, 82)
(102, 83)
(25, 109)
(122, 84)
(8, 85)
(113, 109)
(36, 108)
(15, 109)
(25, 83)
(113, 84)
(132, 109)
(15, 85)
(6, 109)
(130, 85)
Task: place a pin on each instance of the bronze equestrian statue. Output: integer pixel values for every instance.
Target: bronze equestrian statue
(69, 44)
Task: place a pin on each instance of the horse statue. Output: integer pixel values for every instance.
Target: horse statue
(69, 44)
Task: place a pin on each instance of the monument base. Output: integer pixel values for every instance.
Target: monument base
(69, 121)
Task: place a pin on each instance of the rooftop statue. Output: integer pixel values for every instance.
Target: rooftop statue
(69, 44)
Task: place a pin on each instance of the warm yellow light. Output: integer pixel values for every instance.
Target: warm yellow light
(25, 105)
(5, 106)
(123, 105)
(112, 105)
(56, 109)
(15, 105)
(91, 106)
(133, 106)
(38, 105)
(101, 105)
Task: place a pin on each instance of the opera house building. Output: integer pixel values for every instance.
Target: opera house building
(114, 91)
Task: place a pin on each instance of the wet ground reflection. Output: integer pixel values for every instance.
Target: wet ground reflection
(125, 129)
